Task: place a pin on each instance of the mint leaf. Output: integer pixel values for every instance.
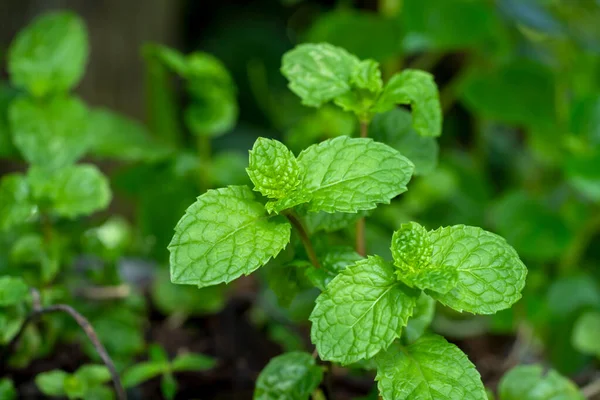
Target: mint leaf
(273, 169)
(13, 290)
(395, 129)
(213, 110)
(412, 250)
(352, 174)
(418, 89)
(93, 375)
(585, 333)
(52, 133)
(361, 312)
(16, 206)
(421, 319)
(71, 192)
(430, 368)
(223, 235)
(333, 261)
(330, 222)
(141, 372)
(490, 273)
(52, 383)
(192, 362)
(531, 383)
(366, 75)
(318, 73)
(290, 376)
(7, 389)
(50, 54)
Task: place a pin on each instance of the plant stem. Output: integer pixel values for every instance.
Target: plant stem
(85, 325)
(310, 251)
(591, 390)
(361, 246)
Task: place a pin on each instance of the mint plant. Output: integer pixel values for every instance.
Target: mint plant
(85, 383)
(364, 306)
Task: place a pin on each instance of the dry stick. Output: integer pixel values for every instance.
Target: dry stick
(361, 247)
(38, 311)
(592, 390)
(310, 251)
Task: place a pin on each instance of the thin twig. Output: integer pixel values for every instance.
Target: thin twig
(105, 292)
(591, 390)
(83, 323)
(310, 251)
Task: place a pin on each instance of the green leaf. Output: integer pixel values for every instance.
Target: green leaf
(192, 362)
(118, 137)
(490, 274)
(430, 368)
(318, 73)
(352, 174)
(361, 312)
(395, 129)
(331, 222)
(412, 251)
(585, 333)
(52, 383)
(51, 133)
(290, 376)
(421, 319)
(285, 281)
(417, 89)
(273, 169)
(529, 382)
(73, 191)
(7, 390)
(168, 386)
(74, 387)
(13, 290)
(345, 27)
(93, 375)
(16, 207)
(213, 111)
(333, 261)
(143, 372)
(570, 294)
(223, 235)
(50, 54)
(7, 148)
(366, 75)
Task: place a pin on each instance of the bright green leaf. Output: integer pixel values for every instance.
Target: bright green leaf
(93, 375)
(16, 206)
(192, 362)
(50, 54)
(273, 169)
(7, 390)
(366, 75)
(333, 261)
(318, 73)
(13, 290)
(71, 192)
(361, 312)
(585, 333)
(51, 133)
(529, 382)
(223, 235)
(143, 372)
(395, 129)
(168, 386)
(52, 383)
(430, 368)
(420, 320)
(417, 89)
(290, 376)
(490, 274)
(352, 174)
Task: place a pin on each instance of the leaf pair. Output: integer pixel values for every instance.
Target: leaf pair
(364, 308)
(85, 383)
(227, 233)
(320, 73)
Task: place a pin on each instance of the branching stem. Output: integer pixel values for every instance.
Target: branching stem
(85, 325)
(310, 250)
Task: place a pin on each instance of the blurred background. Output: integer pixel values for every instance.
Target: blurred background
(519, 84)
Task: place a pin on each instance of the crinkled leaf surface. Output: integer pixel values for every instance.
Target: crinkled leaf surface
(529, 382)
(290, 376)
(273, 168)
(418, 89)
(585, 333)
(16, 206)
(366, 75)
(490, 273)
(50, 54)
(71, 192)
(361, 312)
(351, 174)
(52, 132)
(226, 233)
(318, 73)
(430, 368)
(13, 290)
(395, 129)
